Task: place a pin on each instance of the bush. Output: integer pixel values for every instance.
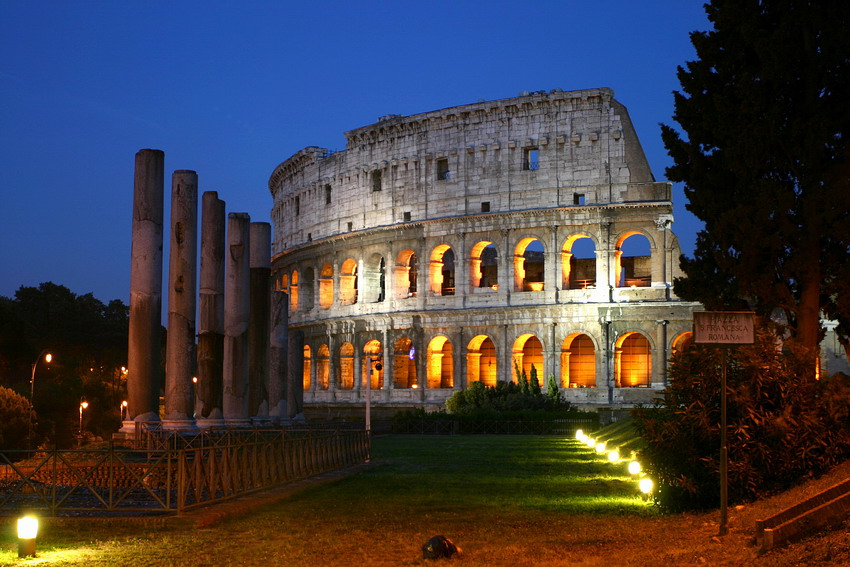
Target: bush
(17, 420)
(782, 426)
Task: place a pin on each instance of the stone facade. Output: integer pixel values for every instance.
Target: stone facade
(460, 244)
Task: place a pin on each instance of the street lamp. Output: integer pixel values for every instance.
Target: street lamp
(121, 409)
(83, 405)
(47, 358)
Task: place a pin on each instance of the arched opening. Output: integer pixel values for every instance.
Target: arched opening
(578, 263)
(528, 358)
(323, 367)
(326, 286)
(293, 292)
(348, 282)
(632, 261)
(633, 361)
(529, 265)
(346, 366)
(405, 274)
(578, 362)
(442, 270)
(306, 289)
(404, 364)
(481, 361)
(374, 279)
(308, 364)
(373, 365)
(440, 363)
(483, 266)
(682, 342)
(284, 283)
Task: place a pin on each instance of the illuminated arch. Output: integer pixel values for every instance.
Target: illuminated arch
(633, 270)
(326, 286)
(442, 270)
(578, 262)
(308, 363)
(374, 279)
(348, 282)
(528, 353)
(405, 274)
(481, 362)
(323, 367)
(440, 363)
(346, 366)
(683, 342)
(293, 292)
(529, 265)
(284, 283)
(404, 364)
(632, 361)
(578, 362)
(373, 364)
(483, 266)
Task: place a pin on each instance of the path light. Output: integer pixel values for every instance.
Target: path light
(590, 442)
(27, 532)
(600, 448)
(646, 485)
(613, 455)
(579, 434)
(83, 405)
(634, 467)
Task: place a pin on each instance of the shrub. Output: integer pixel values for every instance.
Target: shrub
(782, 426)
(17, 420)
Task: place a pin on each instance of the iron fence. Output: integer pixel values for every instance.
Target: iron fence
(173, 474)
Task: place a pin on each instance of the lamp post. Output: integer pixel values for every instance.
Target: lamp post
(47, 358)
(83, 405)
(121, 409)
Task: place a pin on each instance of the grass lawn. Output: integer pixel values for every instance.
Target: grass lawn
(506, 500)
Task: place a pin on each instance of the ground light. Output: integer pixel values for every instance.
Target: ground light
(634, 467)
(613, 455)
(27, 532)
(579, 434)
(646, 485)
(600, 447)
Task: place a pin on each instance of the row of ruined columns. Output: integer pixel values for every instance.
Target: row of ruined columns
(238, 373)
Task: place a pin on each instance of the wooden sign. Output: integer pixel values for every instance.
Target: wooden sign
(724, 327)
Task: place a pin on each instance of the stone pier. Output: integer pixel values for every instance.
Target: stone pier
(182, 272)
(258, 329)
(278, 359)
(236, 320)
(143, 356)
(295, 378)
(208, 409)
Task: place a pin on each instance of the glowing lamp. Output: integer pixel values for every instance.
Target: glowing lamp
(600, 448)
(579, 433)
(634, 467)
(613, 455)
(646, 485)
(590, 442)
(27, 532)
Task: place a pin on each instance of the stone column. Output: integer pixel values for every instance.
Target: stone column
(182, 273)
(211, 320)
(143, 351)
(236, 317)
(295, 381)
(278, 356)
(258, 328)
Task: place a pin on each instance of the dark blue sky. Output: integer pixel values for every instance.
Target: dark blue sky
(231, 89)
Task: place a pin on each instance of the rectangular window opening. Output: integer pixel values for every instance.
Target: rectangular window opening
(297, 205)
(530, 161)
(327, 194)
(442, 169)
(485, 207)
(309, 237)
(350, 226)
(406, 216)
(376, 180)
(578, 199)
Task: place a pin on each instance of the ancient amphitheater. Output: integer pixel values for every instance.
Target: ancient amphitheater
(448, 247)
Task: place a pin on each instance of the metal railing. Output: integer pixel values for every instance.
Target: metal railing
(494, 427)
(179, 475)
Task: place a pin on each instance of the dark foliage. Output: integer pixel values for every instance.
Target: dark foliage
(17, 421)
(782, 427)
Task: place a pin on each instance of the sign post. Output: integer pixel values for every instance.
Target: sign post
(725, 328)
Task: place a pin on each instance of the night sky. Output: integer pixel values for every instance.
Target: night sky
(231, 89)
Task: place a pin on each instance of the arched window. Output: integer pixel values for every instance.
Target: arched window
(348, 282)
(284, 283)
(308, 363)
(443, 270)
(326, 286)
(374, 279)
(683, 342)
(481, 363)
(373, 365)
(440, 364)
(293, 292)
(323, 367)
(633, 361)
(404, 364)
(528, 357)
(578, 362)
(346, 366)
(632, 261)
(529, 265)
(578, 263)
(483, 266)
(306, 289)
(405, 274)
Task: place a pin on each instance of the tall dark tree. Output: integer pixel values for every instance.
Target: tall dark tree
(766, 161)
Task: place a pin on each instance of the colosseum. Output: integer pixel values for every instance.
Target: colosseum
(459, 245)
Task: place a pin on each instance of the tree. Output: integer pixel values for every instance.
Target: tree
(766, 162)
